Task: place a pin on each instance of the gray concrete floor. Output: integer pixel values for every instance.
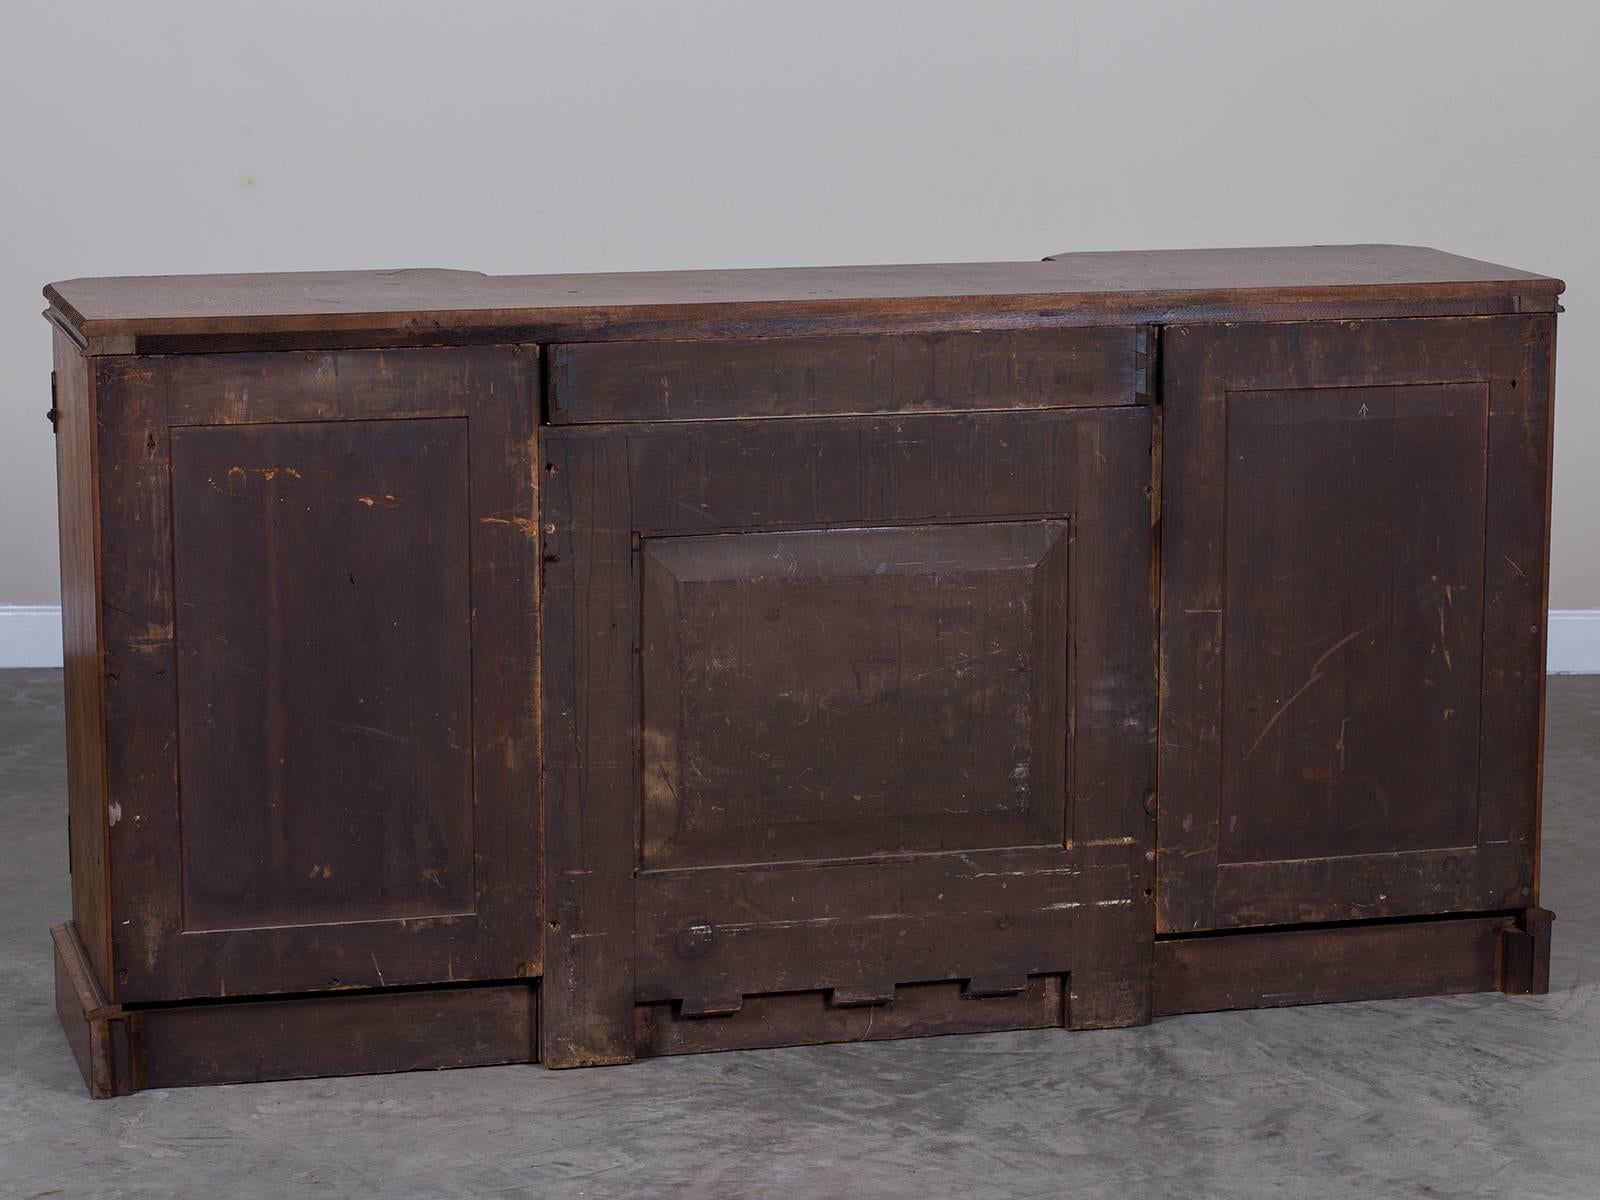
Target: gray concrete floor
(1469, 1096)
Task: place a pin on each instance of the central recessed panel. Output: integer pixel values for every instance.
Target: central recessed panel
(851, 692)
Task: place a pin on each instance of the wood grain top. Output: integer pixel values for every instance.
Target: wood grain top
(418, 306)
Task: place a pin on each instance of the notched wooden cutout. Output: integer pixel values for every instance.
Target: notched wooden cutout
(864, 995)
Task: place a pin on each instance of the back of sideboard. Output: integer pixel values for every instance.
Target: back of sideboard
(797, 679)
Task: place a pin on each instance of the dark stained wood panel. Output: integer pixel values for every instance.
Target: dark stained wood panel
(164, 432)
(122, 1050)
(1323, 966)
(848, 692)
(77, 508)
(1352, 620)
(249, 388)
(842, 499)
(588, 607)
(324, 671)
(785, 377)
(355, 1034)
(1493, 874)
(1352, 637)
(823, 924)
(419, 306)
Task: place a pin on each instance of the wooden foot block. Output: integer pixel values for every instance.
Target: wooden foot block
(1525, 954)
(95, 1030)
(1107, 1001)
(1109, 986)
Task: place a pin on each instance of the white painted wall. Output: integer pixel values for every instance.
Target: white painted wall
(515, 137)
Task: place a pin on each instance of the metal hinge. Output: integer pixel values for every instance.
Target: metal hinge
(55, 413)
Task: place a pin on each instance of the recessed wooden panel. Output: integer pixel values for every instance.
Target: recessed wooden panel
(816, 652)
(1353, 620)
(324, 679)
(361, 592)
(837, 693)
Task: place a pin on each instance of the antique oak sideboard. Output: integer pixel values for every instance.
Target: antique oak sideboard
(466, 669)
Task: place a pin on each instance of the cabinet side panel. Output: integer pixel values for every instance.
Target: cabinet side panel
(142, 839)
(1516, 585)
(80, 632)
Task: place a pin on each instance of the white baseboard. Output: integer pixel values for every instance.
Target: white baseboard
(30, 636)
(1574, 641)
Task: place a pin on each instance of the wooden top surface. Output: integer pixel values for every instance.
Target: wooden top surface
(1098, 286)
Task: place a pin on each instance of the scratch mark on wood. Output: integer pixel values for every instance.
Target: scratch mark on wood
(370, 731)
(527, 524)
(1316, 676)
(267, 473)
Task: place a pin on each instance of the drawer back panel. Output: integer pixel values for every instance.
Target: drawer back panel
(599, 382)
